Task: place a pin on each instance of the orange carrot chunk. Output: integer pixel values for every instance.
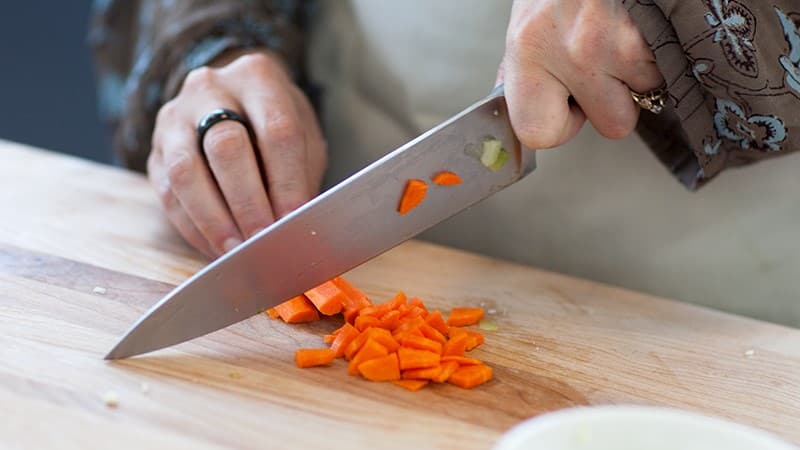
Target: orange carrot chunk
(413, 195)
(461, 317)
(343, 339)
(379, 335)
(411, 385)
(310, 357)
(421, 343)
(329, 338)
(370, 350)
(470, 376)
(446, 179)
(422, 374)
(417, 302)
(384, 368)
(462, 360)
(456, 346)
(364, 322)
(327, 297)
(436, 320)
(273, 313)
(390, 320)
(354, 299)
(474, 339)
(411, 358)
(446, 369)
(432, 333)
(297, 310)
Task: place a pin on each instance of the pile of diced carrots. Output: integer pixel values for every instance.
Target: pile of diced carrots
(398, 341)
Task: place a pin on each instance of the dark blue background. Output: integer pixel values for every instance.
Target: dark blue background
(47, 92)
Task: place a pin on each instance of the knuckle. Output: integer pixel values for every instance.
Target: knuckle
(617, 127)
(200, 77)
(181, 167)
(167, 113)
(225, 141)
(585, 48)
(283, 131)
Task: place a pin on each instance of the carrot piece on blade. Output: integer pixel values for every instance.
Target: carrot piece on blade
(327, 297)
(273, 313)
(297, 310)
(310, 357)
(413, 195)
(461, 317)
(354, 299)
(384, 368)
(411, 385)
(470, 376)
(446, 179)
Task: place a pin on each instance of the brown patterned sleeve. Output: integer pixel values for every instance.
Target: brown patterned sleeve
(732, 69)
(143, 50)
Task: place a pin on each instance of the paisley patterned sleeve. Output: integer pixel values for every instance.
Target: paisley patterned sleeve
(732, 69)
(143, 50)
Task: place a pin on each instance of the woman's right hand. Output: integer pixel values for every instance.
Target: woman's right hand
(218, 200)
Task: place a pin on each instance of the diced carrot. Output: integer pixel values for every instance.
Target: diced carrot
(327, 297)
(462, 317)
(413, 195)
(329, 338)
(412, 312)
(355, 345)
(273, 313)
(446, 369)
(421, 343)
(432, 333)
(417, 302)
(411, 358)
(370, 350)
(364, 322)
(385, 368)
(422, 374)
(390, 320)
(446, 178)
(383, 308)
(411, 385)
(462, 360)
(474, 339)
(297, 310)
(455, 346)
(343, 339)
(310, 357)
(470, 376)
(455, 331)
(436, 320)
(354, 299)
(340, 329)
(380, 335)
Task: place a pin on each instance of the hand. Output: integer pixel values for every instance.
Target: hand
(218, 199)
(587, 50)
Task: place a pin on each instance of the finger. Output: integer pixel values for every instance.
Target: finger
(193, 185)
(607, 103)
(539, 106)
(634, 62)
(172, 208)
(233, 163)
(316, 147)
(282, 145)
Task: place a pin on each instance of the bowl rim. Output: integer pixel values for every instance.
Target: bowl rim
(515, 436)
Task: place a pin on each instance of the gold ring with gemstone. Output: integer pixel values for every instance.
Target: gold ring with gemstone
(652, 101)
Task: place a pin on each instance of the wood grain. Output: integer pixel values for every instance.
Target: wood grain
(69, 225)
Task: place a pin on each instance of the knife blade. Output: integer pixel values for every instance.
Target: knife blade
(342, 228)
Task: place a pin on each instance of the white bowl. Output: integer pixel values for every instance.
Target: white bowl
(635, 428)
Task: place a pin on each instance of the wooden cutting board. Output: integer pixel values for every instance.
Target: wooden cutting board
(69, 226)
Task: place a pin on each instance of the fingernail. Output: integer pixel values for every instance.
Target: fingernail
(230, 244)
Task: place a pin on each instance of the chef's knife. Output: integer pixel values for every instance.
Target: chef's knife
(345, 226)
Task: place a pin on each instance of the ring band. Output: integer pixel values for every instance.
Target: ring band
(652, 101)
(215, 117)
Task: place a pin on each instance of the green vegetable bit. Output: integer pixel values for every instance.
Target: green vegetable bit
(487, 325)
(493, 155)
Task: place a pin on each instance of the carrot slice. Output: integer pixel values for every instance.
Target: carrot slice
(310, 357)
(462, 360)
(446, 179)
(422, 374)
(413, 195)
(411, 385)
(412, 312)
(380, 335)
(462, 317)
(411, 358)
(327, 297)
(329, 338)
(385, 368)
(447, 369)
(297, 310)
(390, 320)
(370, 350)
(364, 322)
(432, 333)
(456, 346)
(417, 302)
(470, 376)
(343, 339)
(474, 339)
(436, 320)
(421, 343)
(273, 313)
(354, 299)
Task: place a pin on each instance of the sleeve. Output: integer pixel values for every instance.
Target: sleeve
(143, 50)
(732, 69)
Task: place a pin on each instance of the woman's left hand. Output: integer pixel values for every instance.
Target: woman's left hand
(589, 50)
